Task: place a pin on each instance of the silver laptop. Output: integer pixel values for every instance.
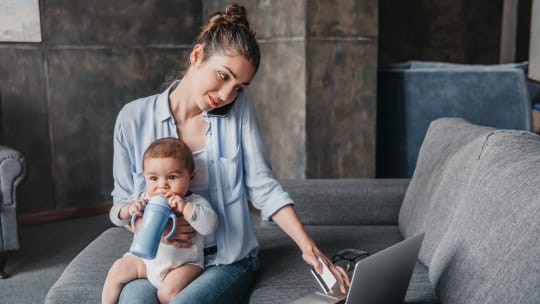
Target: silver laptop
(381, 278)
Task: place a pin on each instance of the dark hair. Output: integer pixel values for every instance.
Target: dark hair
(229, 32)
(170, 147)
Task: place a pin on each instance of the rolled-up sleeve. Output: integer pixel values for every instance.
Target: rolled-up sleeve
(265, 192)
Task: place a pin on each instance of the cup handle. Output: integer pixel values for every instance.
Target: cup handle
(133, 218)
(173, 217)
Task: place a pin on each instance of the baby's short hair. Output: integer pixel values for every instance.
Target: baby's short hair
(170, 147)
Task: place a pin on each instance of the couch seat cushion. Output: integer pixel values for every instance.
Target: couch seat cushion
(82, 280)
(284, 276)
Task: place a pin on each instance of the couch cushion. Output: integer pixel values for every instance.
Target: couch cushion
(282, 277)
(347, 201)
(490, 252)
(287, 277)
(82, 280)
(447, 157)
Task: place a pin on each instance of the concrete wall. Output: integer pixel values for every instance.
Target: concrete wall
(315, 90)
(314, 93)
(60, 97)
(341, 61)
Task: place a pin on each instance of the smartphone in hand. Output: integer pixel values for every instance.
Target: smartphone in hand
(326, 280)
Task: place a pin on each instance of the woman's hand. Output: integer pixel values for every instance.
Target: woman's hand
(288, 220)
(127, 211)
(182, 235)
(311, 255)
(136, 207)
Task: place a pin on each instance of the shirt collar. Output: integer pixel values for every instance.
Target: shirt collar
(163, 111)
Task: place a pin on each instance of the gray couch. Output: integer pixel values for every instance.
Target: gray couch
(475, 193)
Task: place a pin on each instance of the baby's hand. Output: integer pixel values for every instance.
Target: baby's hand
(176, 202)
(136, 207)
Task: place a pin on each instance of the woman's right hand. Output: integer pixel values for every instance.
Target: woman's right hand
(128, 210)
(182, 235)
(136, 207)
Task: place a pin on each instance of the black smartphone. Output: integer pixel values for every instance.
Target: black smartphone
(221, 111)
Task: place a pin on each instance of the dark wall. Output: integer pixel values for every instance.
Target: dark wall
(60, 97)
(314, 93)
(317, 79)
(341, 85)
(460, 31)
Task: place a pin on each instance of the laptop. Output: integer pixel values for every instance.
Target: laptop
(381, 278)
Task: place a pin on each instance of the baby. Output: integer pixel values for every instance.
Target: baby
(168, 170)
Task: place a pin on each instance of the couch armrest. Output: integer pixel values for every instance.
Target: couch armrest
(347, 201)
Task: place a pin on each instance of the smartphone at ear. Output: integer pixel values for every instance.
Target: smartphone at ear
(221, 111)
(326, 280)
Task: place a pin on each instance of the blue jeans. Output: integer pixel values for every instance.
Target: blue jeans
(217, 284)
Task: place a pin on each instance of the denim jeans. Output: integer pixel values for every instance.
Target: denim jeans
(217, 284)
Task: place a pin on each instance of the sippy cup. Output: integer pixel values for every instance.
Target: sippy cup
(155, 217)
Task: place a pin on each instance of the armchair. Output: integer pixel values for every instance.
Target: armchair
(414, 93)
(12, 171)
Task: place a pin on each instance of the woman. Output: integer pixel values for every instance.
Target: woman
(209, 110)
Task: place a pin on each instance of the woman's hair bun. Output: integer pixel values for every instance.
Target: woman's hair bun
(236, 13)
(233, 14)
(228, 31)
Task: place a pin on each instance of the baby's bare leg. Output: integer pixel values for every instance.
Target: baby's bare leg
(123, 270)
(176, 280)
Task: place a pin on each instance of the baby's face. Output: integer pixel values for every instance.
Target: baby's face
(166, 174)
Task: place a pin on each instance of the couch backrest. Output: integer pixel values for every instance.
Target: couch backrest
(490, 252)
(445, 162)
(476, 194)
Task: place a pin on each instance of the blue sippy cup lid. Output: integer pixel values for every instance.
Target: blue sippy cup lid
(159, 200)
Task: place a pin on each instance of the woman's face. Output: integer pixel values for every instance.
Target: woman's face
(218, 80)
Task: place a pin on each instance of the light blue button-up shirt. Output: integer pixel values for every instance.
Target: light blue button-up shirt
(238, 167)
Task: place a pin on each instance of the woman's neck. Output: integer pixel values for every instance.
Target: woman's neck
(183, 106)
(187, 116)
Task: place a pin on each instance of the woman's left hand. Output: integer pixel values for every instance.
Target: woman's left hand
(183, 234)
(311, 256)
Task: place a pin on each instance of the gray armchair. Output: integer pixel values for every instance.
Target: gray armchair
(12, 171)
